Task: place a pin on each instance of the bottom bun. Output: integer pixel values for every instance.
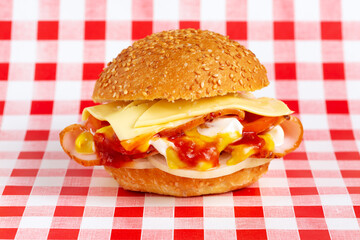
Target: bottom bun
(156, 181)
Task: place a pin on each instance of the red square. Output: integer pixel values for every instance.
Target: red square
(79, 172)
(125, 193)
(299, 174)
(189, 234)
(296, 156)
(342, 135)
(91, 71)
(24, 172)
(283, 30)
(36, 135)
(129, 211)
(331, 31)
(247, 192)
(298, 191)
(2, 106)
(357, 211)
(314, 234)
(333, 71)
(354, 190)
(189, 212)
(237, 30)
(56, 233)
(78, 191)
(255, 234)
(42, 107)
(4, 70)
(69, 211)
(85, 104)
(45, 71)
(286, 71)
(17, 190)
(8, 233)
(350, 173)
(292, 104)
(10, 211)
(5, 30)
(95, 30)
(337, 107)
(31, 155)
(48, 30)
(129, 234)
(309, 211)
(249, 212)
(347, 155)
(189, 24)
(141, 29)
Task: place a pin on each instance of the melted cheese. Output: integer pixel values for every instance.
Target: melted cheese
(130, 120)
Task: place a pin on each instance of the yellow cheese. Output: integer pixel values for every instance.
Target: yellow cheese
(130, 120)
(164, 111)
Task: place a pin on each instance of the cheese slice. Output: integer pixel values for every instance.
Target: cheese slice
(164, 111)
(130, 120)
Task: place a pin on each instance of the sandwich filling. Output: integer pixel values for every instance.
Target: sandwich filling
(200, 135)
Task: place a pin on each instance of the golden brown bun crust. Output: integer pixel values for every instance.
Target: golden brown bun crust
(180, 64)
(156, 181)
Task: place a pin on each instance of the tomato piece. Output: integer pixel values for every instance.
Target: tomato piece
(262, 124)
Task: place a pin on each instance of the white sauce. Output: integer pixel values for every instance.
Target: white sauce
(277, 134)
(220, 125)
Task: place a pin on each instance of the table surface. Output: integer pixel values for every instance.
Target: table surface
(51, 53)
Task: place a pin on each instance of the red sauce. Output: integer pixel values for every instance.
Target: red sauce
(191, 153)
(94, 124)
(250, 138)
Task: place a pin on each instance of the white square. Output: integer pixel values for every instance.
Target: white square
(336, 200)
(10, 146)
(318, 146)
(114, 47)
(314, 122)
(329, 182)
(68, 90)
(25, 10)
(281, 223)
(273, 182)
(263, 50)
(14, 122)
(54, 164)
(157, 223)
(49, 181)
(59, 122)
(277, 164)
(355, 120)
(20, 90)
(23, 51)
(35, 222)
(158, 201)
(351, 51)
(307, 10)
(352, 88)
(269, 91)
(350, 10)
(276, 200)
(118, 10)
(260, 10)
(212, 10)
(103, 181)
(100, 201)
(96, 223)
(70, 51)
(342, 223)
(53, 146)
(41, 200)
(323, 165)
(311, 90)
(72, 10)
(3, 181)
(308, 51)
(166, 10)
(218, 200)
(219, 223)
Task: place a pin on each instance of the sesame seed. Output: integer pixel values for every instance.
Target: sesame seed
(219, 82)
(206, 68)
(125, 92)
(215, 75)
(202, 84)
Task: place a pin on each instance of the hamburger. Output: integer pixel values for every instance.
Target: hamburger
(176, 116)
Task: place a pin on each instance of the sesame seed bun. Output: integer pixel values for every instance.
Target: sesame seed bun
(156, 181)
(180, 64)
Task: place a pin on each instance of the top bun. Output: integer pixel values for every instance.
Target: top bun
(180, 64)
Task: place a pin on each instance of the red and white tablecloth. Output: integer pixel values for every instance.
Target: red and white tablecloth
(51, 52)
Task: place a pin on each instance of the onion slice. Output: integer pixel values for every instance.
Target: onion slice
(159, 162)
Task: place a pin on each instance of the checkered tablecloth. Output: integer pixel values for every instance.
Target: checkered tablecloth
(51, 52)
